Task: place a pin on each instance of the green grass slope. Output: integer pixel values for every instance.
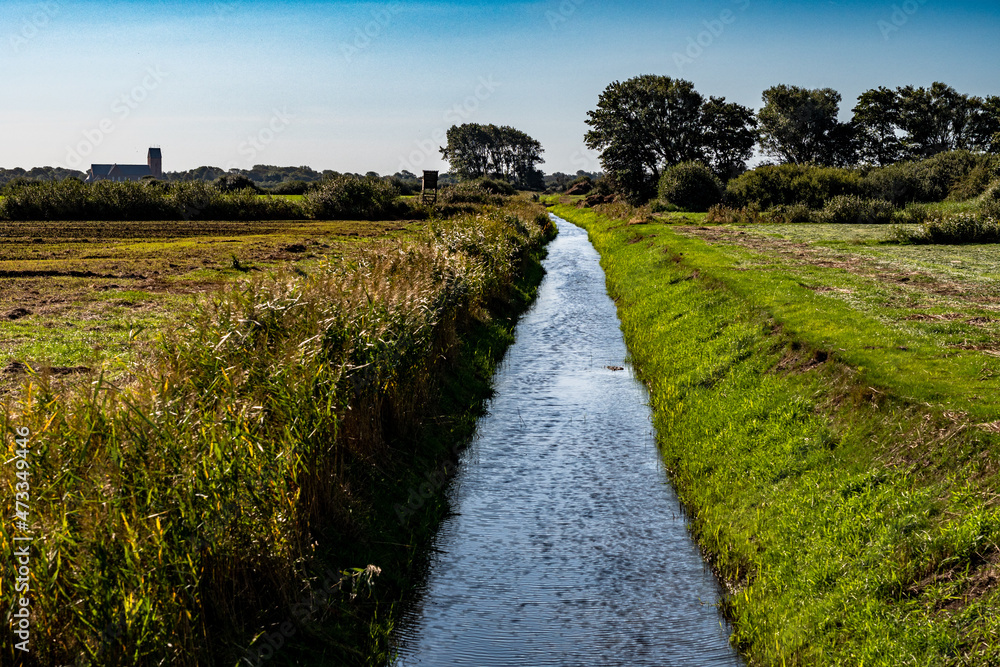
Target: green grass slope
(840, 469)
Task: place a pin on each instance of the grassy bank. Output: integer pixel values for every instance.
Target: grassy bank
(828, 410)
(224, 500)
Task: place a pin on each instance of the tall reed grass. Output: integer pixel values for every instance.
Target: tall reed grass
(179, 517)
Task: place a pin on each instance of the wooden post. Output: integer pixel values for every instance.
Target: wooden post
(430, 187)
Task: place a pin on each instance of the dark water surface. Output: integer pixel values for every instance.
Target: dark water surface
(568, 546)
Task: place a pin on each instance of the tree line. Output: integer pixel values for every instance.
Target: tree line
(38, 174)
(649, 123)
(491, 151)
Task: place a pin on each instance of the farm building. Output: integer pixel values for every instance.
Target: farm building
(128, 172)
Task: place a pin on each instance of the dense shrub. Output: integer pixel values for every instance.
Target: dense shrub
(193, 200)
(850, 209)
(107, 200)
(976, 181)
(45, 201)
(352, 198)
(495, 186)
(690, 185)
(199, 200)
(989, 202)
(948, 174)
(990, 208)
(148, 200)
(898, 184)
(291, 188)
(787, 213)
(229, 183)
(155, 184)
(581, 185)
(725, 215)
(991, 192)
(956, 175)
(17, 183)
(247, 205)
(406, 186)
(603, 186)
(959, 228)
(483, 191)
(73, 200)
(448, 211)
(782, 185)
(659, 206)
(914, 214)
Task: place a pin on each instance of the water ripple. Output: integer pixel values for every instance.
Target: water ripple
(568, 546)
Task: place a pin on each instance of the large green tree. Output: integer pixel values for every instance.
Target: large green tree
(476, 150)
(800, 126)
(648, 123)
(730, 135)
(988, 129)
(939, 119)
(876, 119)
(918, 123)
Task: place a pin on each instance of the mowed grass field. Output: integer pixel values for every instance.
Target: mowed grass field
(925, 319)
(74, 295)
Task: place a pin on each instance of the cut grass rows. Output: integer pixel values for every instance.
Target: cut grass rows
(842, 486)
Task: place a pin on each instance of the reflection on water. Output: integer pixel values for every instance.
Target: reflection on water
(568, 546)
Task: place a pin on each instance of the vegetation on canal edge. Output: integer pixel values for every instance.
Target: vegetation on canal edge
(262, 487)
(828, 410)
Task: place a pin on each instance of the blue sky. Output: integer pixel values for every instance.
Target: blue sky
(373, 86)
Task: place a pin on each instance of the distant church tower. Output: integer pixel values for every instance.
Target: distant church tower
(155, 162)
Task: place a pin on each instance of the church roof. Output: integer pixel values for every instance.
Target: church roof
(101, 169)
(120, 170)
(130, 170)
(99, 172)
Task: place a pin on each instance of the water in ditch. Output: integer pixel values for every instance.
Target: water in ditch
(567, 545)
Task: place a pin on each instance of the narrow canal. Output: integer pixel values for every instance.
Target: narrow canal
(568, 546)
